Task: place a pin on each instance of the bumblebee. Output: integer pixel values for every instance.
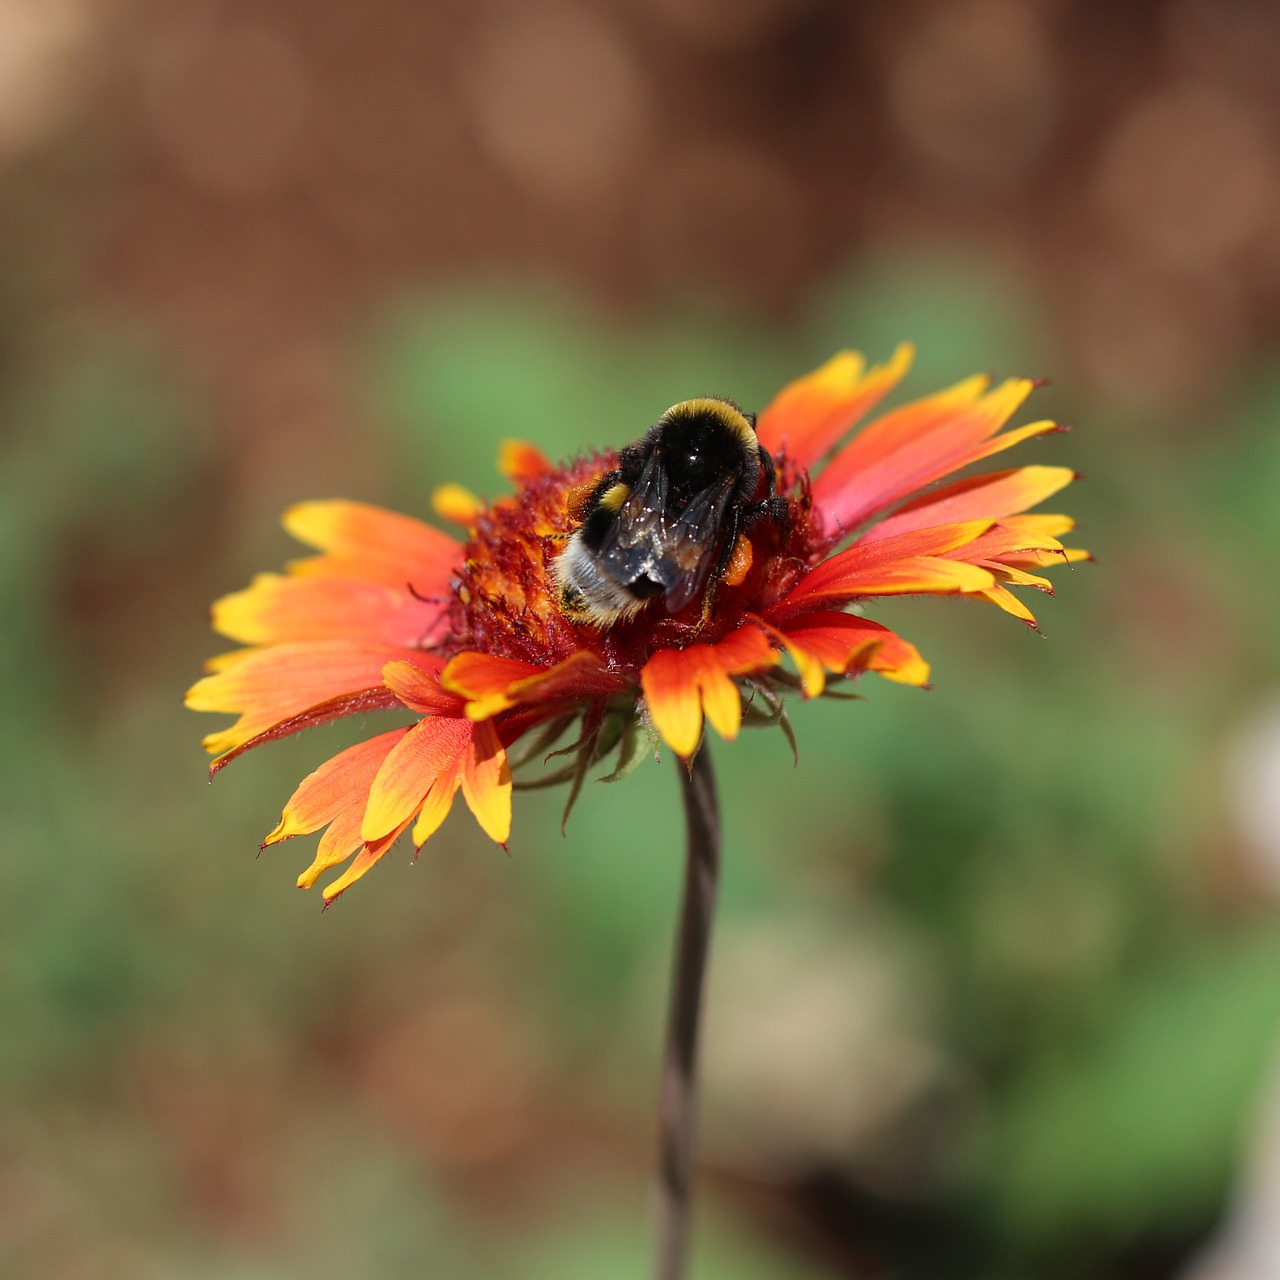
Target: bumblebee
(665, 521)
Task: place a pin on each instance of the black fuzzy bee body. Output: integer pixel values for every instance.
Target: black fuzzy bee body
(665, 521)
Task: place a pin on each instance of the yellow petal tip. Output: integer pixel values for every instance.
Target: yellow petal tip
(457, 504)
(518, 460)
(486, 708)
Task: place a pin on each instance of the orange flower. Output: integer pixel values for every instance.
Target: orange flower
(468, 636)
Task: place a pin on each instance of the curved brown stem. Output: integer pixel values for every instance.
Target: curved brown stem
(678, 1108)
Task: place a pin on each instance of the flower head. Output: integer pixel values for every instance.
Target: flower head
(474, 638)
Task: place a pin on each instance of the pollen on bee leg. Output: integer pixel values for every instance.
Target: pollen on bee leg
(578, 498)
(740, 559)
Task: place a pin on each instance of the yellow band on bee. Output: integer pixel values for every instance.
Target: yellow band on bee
(613, 497)
(732, 417)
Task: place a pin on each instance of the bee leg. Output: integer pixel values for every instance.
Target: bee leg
(770, 471)
(738, 517)
(723, 560)
(708, 603)
(776, 509)
(770, 506)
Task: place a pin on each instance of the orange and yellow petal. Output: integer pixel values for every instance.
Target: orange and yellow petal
(1009, 550)
(486, 782)
(273, 686)
(681, 686)
(809, 416)
(842, 643)
(276, 609)
(370, 853)
(475, 762)
(342, 836)
(361, 541)
(929, 440)
(935, 540)
(340, 840)
(1054, 525)
(492, 684)
(1017, 577)
(417, 685)
(908, 563)
(429, 748)
(223, 661)
(477, 676)
(921, 575)
(1046, 559)
(1005, 540)
(340, 784)
(987, 497)
(1039, 549)
(436, 805)
(914, 423)
(672, 691)
(1004, 599)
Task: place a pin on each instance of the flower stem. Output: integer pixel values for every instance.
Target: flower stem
(678, 1107)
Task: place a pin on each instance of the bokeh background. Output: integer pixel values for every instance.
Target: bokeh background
(996, 994)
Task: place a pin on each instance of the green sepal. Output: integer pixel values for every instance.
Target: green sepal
(633, 746)
(772, 715)
(587, 756)
(540, 744)
(547, 780)
(784, 723)
(842, 695)
(767, 716)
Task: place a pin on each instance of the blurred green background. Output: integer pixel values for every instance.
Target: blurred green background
(996, 990)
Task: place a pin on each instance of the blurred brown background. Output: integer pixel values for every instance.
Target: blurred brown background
(999, 980)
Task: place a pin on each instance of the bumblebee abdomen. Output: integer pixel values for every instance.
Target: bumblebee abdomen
(588, 596)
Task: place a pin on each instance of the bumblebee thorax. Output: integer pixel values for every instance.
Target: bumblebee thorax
(702, 440)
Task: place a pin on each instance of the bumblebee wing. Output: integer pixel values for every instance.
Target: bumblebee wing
(630, 547)
(691, 545)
